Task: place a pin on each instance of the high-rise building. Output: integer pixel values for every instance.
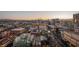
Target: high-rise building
(76, 22)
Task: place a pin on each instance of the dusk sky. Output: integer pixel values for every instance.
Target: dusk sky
(36, 14)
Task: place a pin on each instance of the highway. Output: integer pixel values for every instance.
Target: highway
(48, 39)
(36, 40)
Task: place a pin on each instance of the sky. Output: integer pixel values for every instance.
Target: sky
(26, 15)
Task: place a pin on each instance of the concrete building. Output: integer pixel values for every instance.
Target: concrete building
(76, 22)
(55, 22)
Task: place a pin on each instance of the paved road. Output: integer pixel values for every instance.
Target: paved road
(51, 40)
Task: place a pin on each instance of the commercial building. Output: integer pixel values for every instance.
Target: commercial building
(76, 22)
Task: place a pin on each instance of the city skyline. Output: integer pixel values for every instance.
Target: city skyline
(27, 15)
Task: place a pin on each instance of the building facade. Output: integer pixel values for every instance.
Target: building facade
(76, 22)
